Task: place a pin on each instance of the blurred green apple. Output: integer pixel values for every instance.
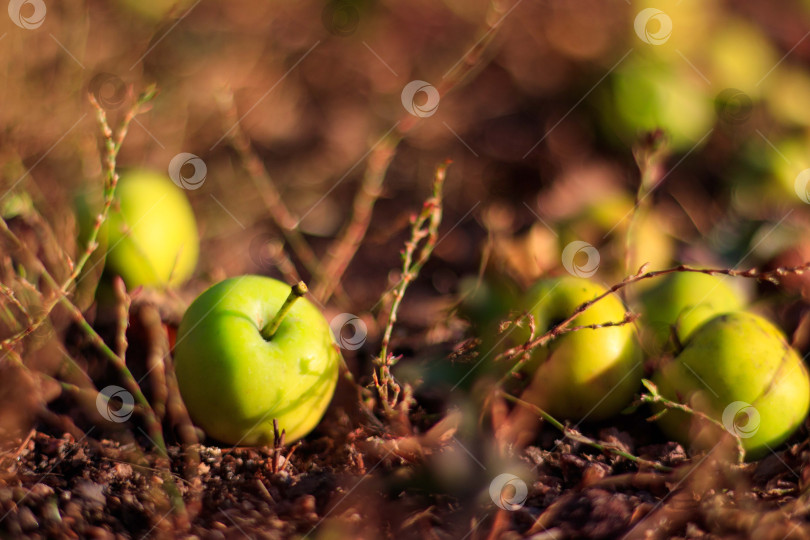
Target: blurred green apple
(648, 95)
(236, 375)
(589, 373)
(684, 301)
(150, 234)
(740, 56)
(738, 369)
(787, 88)
(788, 161)
(157, 9)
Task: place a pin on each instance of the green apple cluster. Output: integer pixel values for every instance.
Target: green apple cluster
(665, 82)
(732, 365)
(679, 303)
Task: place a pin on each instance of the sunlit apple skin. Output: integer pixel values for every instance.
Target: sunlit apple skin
(589, 373)
(684, 301)
(150, 234)
(156, 9)
(234, 382)
(736, 357)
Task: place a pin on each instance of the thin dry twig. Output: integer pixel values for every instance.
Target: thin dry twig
(348, 242)
(575, 435)
(8, 292)
(424, 234)
(655, 397)
(260, 176)
(158, 349)
(649, 154)
(122, 311)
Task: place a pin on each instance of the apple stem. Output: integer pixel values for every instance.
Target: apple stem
(298, 290)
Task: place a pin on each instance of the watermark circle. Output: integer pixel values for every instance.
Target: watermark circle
(802, 186)
(109, 90)
(181, 160)
(104, 405)
(340, 18)
(585, 270)
(741, 419)
(431, 104)
(733, 106)
(358, 328)
(508, 492)
(33, 20)
(653, 26)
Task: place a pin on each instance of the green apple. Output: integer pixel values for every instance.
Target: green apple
(648, 95)
(157, 9)
(245, 356)
(738, 369)
(684, 301)
(785, 95)
(150, 234)
(589, 373)
(739, 56)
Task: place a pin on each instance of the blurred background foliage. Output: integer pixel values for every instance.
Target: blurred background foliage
(541, 134)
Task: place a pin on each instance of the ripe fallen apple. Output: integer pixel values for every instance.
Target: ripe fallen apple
(738, 369)
(247, 352)
(684, 301)
(589, 373)
(150, 236)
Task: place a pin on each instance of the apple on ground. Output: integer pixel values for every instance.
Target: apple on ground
(247, 352)
(588, 374)
(683, 301)
(738, 369)
(150, 236)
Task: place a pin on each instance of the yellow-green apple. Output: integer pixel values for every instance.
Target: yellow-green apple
(648, 95)
(683, 301)
(157, 9)
(150, 236)
(738, 369)
(248, 353)
(586, 374)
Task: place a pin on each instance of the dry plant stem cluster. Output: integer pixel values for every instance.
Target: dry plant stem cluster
(655, 397)
(418, 248)
(112, 142)
(280, 459)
